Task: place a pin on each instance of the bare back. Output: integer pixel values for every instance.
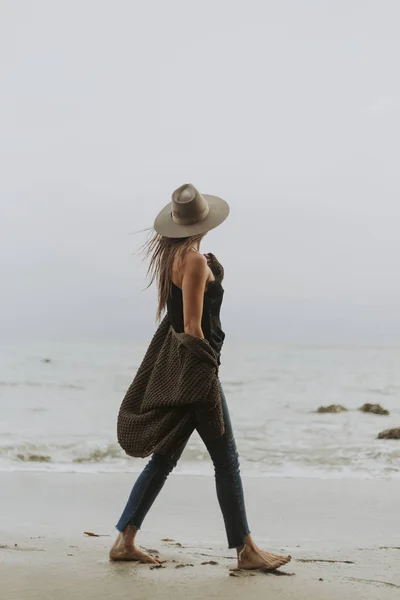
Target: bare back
(192, 277)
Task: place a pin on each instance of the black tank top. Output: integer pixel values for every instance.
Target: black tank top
(210, 322)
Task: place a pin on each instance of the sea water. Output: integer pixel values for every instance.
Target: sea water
(59, 404)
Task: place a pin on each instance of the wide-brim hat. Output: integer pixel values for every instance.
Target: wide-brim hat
(190, 213)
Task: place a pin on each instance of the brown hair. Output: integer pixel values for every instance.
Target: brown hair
(161, 252)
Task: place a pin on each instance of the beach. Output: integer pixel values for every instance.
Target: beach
(130, 132)
(342, 535)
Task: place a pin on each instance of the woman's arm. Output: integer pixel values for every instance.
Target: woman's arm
(194, 282)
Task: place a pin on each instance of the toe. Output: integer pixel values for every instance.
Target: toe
(274, 561)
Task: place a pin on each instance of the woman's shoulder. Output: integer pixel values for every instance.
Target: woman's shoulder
(194, 261)
(193, 264)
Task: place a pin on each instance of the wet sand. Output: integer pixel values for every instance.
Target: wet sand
(343, 536)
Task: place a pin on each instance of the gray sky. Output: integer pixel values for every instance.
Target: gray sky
(288, 109)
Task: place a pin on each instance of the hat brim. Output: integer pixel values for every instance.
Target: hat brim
(166, 226)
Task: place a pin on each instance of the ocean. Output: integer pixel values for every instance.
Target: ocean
(59, 405)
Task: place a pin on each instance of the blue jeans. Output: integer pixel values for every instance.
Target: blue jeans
(225, 458)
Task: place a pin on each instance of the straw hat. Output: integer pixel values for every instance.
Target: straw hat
(190, 213)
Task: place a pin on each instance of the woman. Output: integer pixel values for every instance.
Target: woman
(189, 287)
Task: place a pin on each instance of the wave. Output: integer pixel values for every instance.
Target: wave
(233, 384)
(67, 453)
(98, 456)
(389, 390)
(333, 462)
(70, 386)
(386, 391)
(35, 458)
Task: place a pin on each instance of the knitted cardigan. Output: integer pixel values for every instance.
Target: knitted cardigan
(175, 390)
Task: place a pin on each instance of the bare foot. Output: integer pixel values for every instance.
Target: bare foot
(251, 557)
(124, 549)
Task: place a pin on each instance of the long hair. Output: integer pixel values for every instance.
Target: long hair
(161, 253)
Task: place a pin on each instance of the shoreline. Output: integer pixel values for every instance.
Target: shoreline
(187, 471)
(342, 536)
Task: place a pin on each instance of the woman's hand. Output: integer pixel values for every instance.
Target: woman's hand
(215, 266)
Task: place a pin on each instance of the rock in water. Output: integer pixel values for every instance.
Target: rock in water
(376, 409)
(332, 408)
(390, 434)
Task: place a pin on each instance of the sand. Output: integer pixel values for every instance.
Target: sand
(343, 536)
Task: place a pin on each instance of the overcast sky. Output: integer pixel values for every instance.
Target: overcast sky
(289, 109)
